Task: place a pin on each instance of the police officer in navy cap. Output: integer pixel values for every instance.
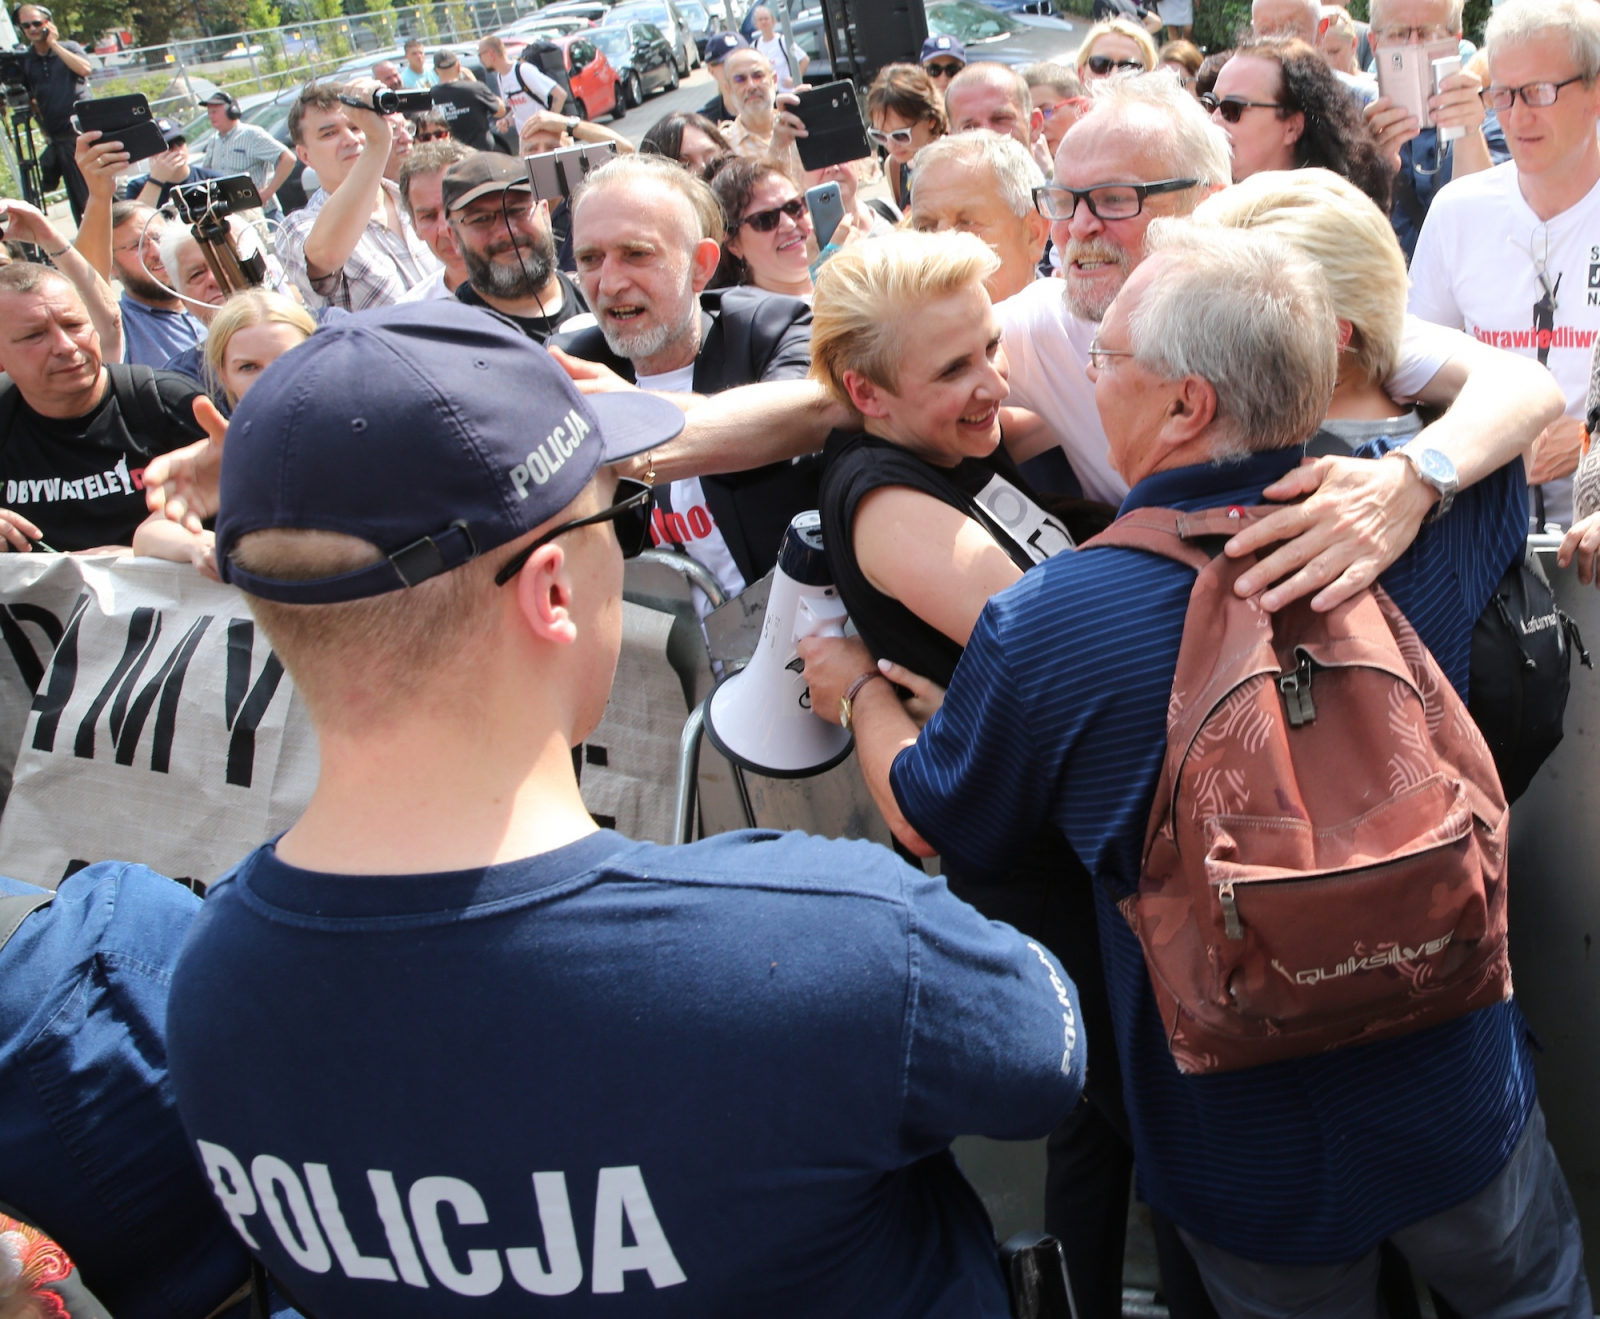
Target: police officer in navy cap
(720, 109)
(447, 1046)
(942, 58)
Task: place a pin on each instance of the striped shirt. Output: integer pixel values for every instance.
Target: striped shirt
(245, 149)
(382, 267)
(1057, 713)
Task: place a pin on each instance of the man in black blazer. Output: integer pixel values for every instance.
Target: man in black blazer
(646, 239)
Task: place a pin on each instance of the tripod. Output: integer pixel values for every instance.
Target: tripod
(19, 126)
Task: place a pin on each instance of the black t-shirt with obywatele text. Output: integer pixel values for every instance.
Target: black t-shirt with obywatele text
(80, 480)
(467, 107)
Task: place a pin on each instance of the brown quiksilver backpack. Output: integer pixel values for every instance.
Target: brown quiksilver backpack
(1325, 862)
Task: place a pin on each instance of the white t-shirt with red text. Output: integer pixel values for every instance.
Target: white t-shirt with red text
(1477, 269)
(681, 517)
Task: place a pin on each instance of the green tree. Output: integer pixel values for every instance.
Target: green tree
(383, 20)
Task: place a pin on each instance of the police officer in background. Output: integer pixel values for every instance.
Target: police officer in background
(57, 76)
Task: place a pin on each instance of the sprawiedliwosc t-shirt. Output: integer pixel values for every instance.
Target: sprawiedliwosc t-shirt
(719, 1079)
(81, 480)
(467, 108)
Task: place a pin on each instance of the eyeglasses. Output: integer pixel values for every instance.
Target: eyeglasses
(34, 23)
(1108, 201)
(1100, 358)
(758, 75)
(1398, 34)
(1232, 109)
(1535, 95)
(1101, 65)
(630, 510)
(943, 70)
(432, 137)
(900, 135)
(764, 222)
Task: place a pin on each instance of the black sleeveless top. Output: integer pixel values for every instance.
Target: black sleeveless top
(989, 490)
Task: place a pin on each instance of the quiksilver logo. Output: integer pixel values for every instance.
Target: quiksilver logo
(1371, 962)
(550, 454)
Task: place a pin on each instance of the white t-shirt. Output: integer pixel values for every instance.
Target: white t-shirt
(526, 90)
(779, 56)
(430, 290)
(681, 516)
(1048, 349)
(1476, 269)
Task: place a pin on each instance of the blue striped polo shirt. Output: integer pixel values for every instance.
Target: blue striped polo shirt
(1057, 712)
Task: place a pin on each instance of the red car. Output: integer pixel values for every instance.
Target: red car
(594, 81)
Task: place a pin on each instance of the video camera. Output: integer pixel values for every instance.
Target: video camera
(13, 72)
(385, 101)
(205, 207)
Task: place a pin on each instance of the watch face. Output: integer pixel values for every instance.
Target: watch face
(1436, 467)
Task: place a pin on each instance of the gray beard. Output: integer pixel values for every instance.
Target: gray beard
(525, 279)
(644, 344)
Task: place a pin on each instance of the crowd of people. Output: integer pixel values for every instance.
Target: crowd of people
(423, 447)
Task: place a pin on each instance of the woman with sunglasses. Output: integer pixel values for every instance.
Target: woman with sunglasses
(1282, 107)
(769, 244)
(907, 113)
(1115, 46)
(924, 518)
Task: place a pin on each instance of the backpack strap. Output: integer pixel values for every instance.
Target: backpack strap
(139, 400)
(10, 397)
(15, 910)
(1174, 535)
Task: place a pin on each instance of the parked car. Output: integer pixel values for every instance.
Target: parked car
(593, 11)
(539, 25)
(701, 24)
(666, 15)
(988, 34)
(641, 56)
(593, 80)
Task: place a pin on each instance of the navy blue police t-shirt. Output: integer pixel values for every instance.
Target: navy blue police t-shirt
(717, 1080)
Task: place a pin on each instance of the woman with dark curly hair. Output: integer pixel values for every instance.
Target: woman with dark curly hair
(769, 230)
(1282, 108)
(688, 138)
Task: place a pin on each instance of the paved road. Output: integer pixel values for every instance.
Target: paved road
(692, 93)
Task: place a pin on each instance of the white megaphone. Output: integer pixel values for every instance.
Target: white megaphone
(760, 718)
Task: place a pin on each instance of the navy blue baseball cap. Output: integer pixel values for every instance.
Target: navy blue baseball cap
(721, 45)
(934, 47)
(434, 430)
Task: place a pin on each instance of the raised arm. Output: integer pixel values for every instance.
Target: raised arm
(25, 224)
(344, 217)
(98, 162)
(1358, 517)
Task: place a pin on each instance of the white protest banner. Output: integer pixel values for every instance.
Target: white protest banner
(163, 729)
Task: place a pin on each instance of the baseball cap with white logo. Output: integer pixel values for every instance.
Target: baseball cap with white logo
(436, 431)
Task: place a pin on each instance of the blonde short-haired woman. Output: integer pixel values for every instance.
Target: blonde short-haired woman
(250, 333)
(1115, 46)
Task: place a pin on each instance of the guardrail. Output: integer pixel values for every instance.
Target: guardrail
(177, 76)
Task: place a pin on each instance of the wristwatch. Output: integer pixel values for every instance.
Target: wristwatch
(850, 695)
(572, 125)
(1436, 469)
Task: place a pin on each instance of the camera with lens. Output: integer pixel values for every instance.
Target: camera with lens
(385, 101)
(205, 207)
(13, 71)
(210, 200)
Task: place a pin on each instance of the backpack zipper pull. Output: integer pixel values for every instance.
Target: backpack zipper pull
(1296, 689)
(1230, 910)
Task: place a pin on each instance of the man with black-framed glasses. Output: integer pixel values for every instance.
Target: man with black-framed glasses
(505, 239)
(1508, 254)
(716, 1079)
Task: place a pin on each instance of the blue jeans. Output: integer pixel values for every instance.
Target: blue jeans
(1513, 1251)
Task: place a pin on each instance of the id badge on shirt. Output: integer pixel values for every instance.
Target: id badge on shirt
(1035, 532)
